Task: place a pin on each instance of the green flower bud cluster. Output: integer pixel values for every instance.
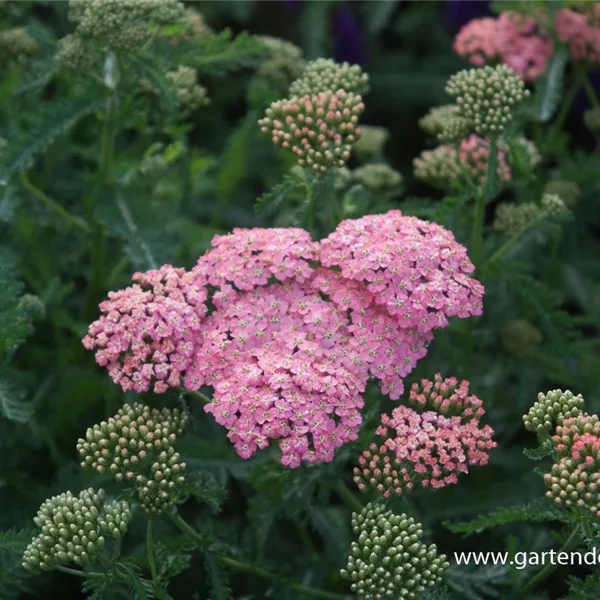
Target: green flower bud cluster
(454, 129)
(124, 25)
(325, 75)
(16, 46)
(283, 63)
(437, 167)
(371, 142)
(136, 445)
(513, 219)
(378, 177)
(433, 122)
(190, 95)
(33, 306)
(568, 191)
(342, 177)
(390, 561)
(158, 493)
(319, 129)
(521, 339)
(553, 205)
(551, 409)
(75, 53)
(486, 97)
(73, 529)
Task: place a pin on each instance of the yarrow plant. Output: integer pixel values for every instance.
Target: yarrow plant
(265, 353)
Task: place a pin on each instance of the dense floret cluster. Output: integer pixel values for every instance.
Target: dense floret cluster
(283, 63)
(370, 144)
(295, 329)
(428, 443)
(75, 529)
(551, 409)
(389, 558)
(377, 177)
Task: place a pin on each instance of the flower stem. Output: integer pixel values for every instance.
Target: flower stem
(488, 192)
(197, 394)
(549, 568)
(589, 89)
(186, 528)
(77, 572)
(53, 205)
(150, 552)
(348, 496)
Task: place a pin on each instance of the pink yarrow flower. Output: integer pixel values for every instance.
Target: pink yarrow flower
(295, 329)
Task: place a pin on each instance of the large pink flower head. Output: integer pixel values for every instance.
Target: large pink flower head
(146, 334)
(282, 367)
(581, 31)
(289, 344)
(511, 38)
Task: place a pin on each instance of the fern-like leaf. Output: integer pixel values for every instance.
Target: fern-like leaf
(219, 584)
(270, 202)
(539, 511)
(14, 404)
(52, 120)
(12, 575)
(217, 54)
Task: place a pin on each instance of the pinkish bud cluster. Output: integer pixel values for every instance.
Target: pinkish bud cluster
(296, 327)
(474, 153)
(581, 31)
(430, 448)
(574, 480)
(318, 128)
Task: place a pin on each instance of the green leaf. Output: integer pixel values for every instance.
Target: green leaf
(546, 450)
(12, 574)
(219, 584)
(13, 398)
(550, 88)
(217, 54)
(156, 75)
(270, 202)
(51, 120)
(539, 511)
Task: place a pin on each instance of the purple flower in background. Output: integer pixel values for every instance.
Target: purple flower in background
(348, 39)
(460, 12)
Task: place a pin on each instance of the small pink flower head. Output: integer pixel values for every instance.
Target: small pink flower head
(146, 334)
(319, 128)
(447, 397)
(427, 449)
(474, 153)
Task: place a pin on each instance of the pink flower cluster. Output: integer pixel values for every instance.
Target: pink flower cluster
(525, 45)
(429, 448)
(295, 328)
(474, 153)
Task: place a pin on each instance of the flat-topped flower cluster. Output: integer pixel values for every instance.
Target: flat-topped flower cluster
(287, 330)
(525, 43)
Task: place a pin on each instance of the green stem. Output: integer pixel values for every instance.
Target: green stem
(78, 573)
(589, 89)
(309, 211)
(549, 568)
(53, 205)
(150, 552)
(348, 496)
(512, 240)
(197, 394)
(563, 112)
(488, 192)
(249, 568)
